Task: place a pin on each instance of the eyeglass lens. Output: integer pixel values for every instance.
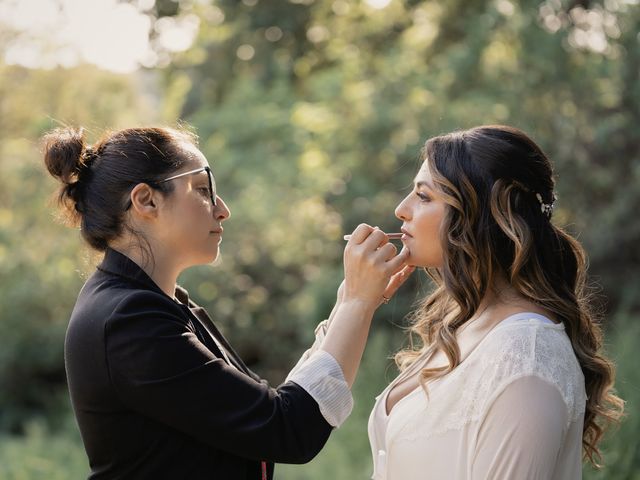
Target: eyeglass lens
(212, 186)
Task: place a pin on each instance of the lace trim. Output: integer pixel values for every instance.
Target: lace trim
(464, 395)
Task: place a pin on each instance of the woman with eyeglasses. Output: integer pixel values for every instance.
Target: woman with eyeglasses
(157, 390)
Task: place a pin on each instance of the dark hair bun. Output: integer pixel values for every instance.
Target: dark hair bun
(63, 150)
(63, 156)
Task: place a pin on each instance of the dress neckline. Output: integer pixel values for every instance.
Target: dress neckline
(509, 320)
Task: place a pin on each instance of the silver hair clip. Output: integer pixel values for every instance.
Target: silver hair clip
(546, 208)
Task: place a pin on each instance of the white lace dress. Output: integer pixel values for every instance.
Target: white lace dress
(513, 409)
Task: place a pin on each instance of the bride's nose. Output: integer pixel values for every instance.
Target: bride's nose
(403, 211)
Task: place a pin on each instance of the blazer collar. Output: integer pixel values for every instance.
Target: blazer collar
(116, 263)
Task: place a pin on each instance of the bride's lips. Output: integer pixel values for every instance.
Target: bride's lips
(406, 235)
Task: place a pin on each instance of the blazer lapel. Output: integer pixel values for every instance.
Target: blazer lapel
(202, 315)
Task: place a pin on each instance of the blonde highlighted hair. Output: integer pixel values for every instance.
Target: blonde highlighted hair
(494, 180)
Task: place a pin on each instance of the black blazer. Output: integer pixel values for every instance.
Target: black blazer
(159, 393)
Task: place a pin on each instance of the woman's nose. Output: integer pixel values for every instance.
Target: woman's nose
(221, 212)
(402, 210)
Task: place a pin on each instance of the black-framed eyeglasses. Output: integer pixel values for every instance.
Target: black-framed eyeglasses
(212, 182)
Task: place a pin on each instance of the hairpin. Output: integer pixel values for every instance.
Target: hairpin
(547, 208)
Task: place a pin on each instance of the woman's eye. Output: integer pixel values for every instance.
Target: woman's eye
(423, 197)
(204, 191)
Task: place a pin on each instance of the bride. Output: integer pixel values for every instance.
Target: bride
(510, 380)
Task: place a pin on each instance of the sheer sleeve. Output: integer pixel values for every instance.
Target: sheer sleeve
(522, 432)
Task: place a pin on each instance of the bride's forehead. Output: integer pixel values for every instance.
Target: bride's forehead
(423, 175)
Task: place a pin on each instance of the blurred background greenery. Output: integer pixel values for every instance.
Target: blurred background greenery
(312, 114)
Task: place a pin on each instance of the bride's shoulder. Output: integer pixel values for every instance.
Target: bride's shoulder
(529, 346)
(524, 330)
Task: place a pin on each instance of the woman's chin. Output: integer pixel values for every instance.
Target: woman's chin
(210, 257)
(417, 263)
(213, 259)
(412, 261)
(422, 262)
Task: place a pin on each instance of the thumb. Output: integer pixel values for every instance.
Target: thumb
(399, 261)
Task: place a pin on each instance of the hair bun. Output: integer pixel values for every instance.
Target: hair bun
(63, 150)
(64, 156)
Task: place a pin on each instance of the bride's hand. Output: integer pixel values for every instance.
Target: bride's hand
(372, 267)
(396, 282)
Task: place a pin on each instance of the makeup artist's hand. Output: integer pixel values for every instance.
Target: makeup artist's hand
(340, 294)
(339, 297)
(372, 266)
(394, 284)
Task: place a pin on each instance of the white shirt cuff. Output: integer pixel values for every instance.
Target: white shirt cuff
(321, 376)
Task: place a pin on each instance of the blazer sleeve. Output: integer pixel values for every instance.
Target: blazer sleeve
(159, 368)
(522, 433)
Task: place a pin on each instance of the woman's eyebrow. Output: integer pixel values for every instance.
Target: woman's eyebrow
(423, 184)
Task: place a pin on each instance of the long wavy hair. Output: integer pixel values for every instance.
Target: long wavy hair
(493, 180)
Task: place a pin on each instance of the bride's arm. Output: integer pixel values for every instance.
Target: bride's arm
(522, 432)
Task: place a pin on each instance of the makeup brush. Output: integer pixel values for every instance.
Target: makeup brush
(392, 236)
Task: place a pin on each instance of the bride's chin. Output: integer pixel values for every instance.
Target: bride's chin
(413, 262)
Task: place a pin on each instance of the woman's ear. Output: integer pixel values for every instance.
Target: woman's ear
(144, 200)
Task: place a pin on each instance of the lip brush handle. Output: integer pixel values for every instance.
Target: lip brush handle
(392, 236)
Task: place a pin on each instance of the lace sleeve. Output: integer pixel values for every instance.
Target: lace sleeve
(522, 432)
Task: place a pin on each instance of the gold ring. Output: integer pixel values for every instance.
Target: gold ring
(385, 300)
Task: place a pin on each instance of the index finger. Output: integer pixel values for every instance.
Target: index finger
(360, 234)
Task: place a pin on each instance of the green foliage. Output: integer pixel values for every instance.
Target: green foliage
(42, 453)
(621, 448)
(312, 115)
